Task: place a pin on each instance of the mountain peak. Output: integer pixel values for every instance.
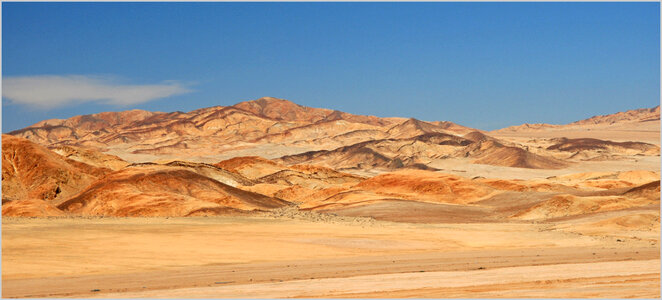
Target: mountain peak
(266, 101)
(281, 109)
(271, 99)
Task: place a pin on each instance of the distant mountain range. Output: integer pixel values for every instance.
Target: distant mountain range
(630, 116)
(267, 127)
(211, 131)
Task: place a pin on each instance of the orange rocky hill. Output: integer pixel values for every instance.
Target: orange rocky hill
(246, 185)
(34, 178)
(39, 182)
(31, 171)
(164, 190)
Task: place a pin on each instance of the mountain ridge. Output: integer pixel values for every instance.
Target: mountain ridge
(266, 120)
(629, 116)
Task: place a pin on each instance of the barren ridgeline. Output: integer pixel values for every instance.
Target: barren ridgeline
(267, 198)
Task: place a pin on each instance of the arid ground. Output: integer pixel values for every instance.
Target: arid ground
(274, 257)
(270, 199)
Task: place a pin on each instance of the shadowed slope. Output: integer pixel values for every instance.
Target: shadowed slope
(585, 144)
(491, 152)
(417, 151)
(157, 190)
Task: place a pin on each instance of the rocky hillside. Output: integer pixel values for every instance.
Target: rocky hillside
(211, 131)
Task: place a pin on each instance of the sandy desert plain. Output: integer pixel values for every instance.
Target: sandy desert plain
(270, 199)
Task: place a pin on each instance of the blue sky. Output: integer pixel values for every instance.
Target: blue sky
(484, 65)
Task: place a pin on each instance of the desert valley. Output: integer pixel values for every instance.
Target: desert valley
(271, 199)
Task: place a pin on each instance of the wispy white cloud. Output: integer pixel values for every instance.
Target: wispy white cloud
(50, 91)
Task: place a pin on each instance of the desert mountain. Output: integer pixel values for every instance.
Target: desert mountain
(629, 117)
(294, 134)
(267, 126)
(635, 115)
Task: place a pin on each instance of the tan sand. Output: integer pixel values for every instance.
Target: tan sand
(386, 283)
(158, 257)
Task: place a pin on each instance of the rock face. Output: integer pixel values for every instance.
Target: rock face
(31, 171)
